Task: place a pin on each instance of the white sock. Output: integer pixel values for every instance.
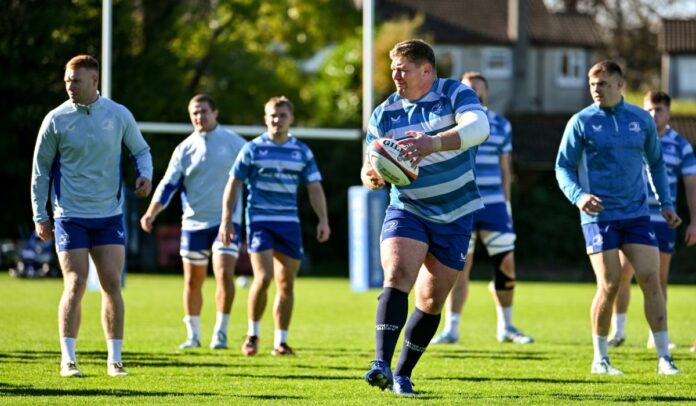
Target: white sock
(221, 322)
(114, 350)
(504, 317)
(193, 327)
(601, 348)
(619, 324)
(661, 343)
(280, 337)
(452, 323)
(67, 349)
(254, 328)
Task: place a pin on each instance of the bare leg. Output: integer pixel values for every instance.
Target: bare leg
(109, 260)
(194, 276)
(262, 265)
(223, 267)
(285, 272)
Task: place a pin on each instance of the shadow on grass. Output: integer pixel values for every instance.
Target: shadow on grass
(294, 377)
(25, 390)
(624, 398)
(504, 379)
(469, 354)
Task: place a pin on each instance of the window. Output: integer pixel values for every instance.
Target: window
(570, 68)
(496, 63)
(686, 79)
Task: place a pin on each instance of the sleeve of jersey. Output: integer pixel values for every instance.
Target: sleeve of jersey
(463, 99)
(507, 144)
(373, 126)
(311, 172)
(242, 165)
(653, 155)
(172, 181)
(45, 152)
(138, 148)
(568, 159)
(688, 163)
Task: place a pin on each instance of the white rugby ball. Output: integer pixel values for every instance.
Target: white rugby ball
(384, 155)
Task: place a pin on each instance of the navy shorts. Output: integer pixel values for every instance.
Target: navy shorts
(447, 242)
(198, 245)
(73, 232)
(666, 237)
(282, 236)
(608, 235)
(493, 217)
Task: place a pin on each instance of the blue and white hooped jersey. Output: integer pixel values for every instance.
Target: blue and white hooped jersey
(198, 170)
(602, 152)
(272, 174)
(77, 160)
(445, 189)
(488, 175)
(680, 162)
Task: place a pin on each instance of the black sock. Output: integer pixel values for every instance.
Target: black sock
(392, 309)
(420, 329)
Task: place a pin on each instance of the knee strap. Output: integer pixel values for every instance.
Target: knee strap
(501, 281)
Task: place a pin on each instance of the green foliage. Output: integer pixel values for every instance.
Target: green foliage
(332, 332)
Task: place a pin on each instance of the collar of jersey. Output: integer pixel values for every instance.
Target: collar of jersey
(618, 107)
(87, 108)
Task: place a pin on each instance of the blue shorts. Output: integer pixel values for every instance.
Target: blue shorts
(494, 217)
(608, 235)
(198, 245)
(666, 237)
(282, 236)
(447, 242)
(73, 232)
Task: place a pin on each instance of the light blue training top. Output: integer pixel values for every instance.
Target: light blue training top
(445, 189)
(602, 152)
(488, 174)
(78, 156)
(680, 162)
(272, 174)
(198, 170)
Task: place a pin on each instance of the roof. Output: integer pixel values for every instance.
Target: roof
(677, 36)
(485, 22)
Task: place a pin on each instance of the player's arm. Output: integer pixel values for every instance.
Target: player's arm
(229, 197)
(506, 177)
(318, 201)
(658, 171)
(569, 153)
(140, 151)
(44, 153)
(171, 183)
(472, 129)
(148, 218)
(690, 191)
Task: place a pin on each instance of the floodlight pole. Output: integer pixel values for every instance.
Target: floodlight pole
(107, 28)
(368, 60)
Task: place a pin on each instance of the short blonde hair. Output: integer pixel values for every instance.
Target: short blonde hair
(83, 61)
(278, 101)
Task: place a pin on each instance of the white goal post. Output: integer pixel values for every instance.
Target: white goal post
(344, 134)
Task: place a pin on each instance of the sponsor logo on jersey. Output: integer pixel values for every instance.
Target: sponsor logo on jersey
(633, 126)
(108, 125)
(437, 108)
(395, 119)
(263, 152)
(597, 128)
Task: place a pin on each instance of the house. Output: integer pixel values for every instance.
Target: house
(677, 43)
(554, 51)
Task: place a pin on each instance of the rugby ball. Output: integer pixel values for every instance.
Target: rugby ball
(384, 155)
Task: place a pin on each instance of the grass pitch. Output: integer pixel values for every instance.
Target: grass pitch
(333, 334)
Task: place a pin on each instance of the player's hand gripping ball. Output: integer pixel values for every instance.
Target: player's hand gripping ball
(385, 156)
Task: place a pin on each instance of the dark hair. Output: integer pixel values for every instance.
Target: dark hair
(83, 61)
(201, 98)
(278, 101)
(658, 98)
(469, 76)
(607, 66)
(415, 50)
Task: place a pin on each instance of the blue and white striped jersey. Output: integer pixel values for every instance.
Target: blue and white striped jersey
(488, 174)
(445, 189)
(602, 152)
(272, 173)
(680, 162)
(78, 157)
(198, 169)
